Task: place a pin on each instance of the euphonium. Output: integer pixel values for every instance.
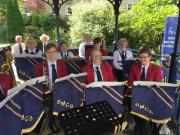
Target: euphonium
(9, 57)
(5, 68)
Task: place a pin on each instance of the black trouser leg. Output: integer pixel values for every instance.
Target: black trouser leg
(143, 127)
(119, 75)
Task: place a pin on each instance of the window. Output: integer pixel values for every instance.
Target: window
(129, 5)
(69, 11)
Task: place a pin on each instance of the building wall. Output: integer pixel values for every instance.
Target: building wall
(127, 3)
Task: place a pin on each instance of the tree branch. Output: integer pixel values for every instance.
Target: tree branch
(63, 2)
(52, 5)
(112, 2)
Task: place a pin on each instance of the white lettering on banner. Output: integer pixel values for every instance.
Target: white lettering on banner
(65, 103)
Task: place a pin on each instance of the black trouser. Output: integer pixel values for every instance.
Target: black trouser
(143, 127)
(119, 75)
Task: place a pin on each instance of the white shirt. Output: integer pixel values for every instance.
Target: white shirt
(50, 70)
(146, 69)
(82, 49)
(69, 54)
(117, 60)
(95, 75)
(44, 43)
(15, 49)
(38, 54)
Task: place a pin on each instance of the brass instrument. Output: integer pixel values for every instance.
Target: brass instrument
(9, 57)
(6, 67)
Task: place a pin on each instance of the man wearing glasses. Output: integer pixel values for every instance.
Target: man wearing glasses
(51, 67)
(143, 71)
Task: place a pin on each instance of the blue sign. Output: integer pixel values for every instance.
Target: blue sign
(168, 45)
(169, 35)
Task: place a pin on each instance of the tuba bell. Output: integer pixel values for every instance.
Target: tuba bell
(5, 67)
(9, 57)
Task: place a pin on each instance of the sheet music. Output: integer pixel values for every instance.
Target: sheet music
(150, 83)
(101, 84)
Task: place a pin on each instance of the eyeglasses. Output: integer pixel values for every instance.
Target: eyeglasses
(145, 57)
(50, 52)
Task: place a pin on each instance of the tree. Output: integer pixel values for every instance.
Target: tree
(15, 25)
(143, 25)
(38, 23)
(3, 9)
(97, 19)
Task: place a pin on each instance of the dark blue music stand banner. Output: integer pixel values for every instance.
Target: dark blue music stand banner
(21, 111)
(112, 92)
(25, 67)
(68, 92)
(74, 65)
(153, 103)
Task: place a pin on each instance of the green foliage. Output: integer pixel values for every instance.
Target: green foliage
(15, 25)
(38, 23)
(97, 19)
(3, 33)
(144, 23)
(3, 7)
(32, 31)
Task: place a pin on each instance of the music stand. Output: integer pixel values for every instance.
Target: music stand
(93, 119)
(127, 67)
(87, 47)
(48, 114)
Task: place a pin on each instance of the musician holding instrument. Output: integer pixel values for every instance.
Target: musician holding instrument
(7, 79)
(144, 71)
(51, 67)
(97, 44)
(6, 83)
(119, 57)
(64, 52)
(96, 69)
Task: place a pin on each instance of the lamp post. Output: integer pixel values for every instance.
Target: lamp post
(56, 6)
(172, 75)
(116, 4)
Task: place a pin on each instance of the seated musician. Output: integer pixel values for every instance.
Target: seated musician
(51, 67)
(144, 71)
(44, 41)
(96, 69)
(119, 57)
(31, 50)
(64, 51)
(97, 44)
(86, 42)
(19, 47)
